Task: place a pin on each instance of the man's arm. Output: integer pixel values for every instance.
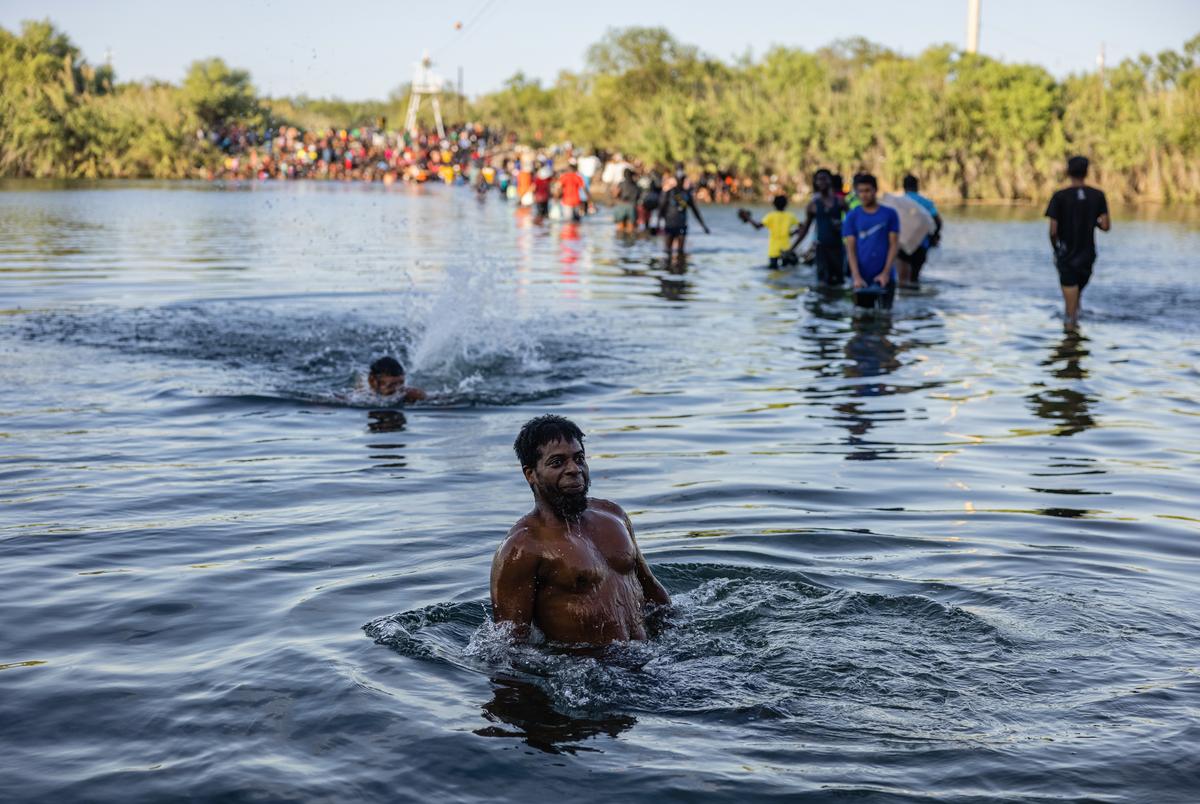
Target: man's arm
(696, 212)
(1054, 234)
(885, 275)
(1103, 221)
(745, 217)
(514, 583)
(802, 230)
(652, 590)
(936, 237)
(852, 258)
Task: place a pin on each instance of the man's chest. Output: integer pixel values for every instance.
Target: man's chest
(581, 561)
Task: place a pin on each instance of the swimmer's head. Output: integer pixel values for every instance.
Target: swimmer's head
(780, 201)
(628, 173)
(1077, 167)
(911, 184)
(550, 449)
(386, 377)
(822, 180)
(865, 186)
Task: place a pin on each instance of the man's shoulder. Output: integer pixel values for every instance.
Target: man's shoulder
(607, 506)
(524, 536)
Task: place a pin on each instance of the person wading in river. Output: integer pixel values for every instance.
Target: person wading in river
(1075, 213)
(570, 566)
(871, 233)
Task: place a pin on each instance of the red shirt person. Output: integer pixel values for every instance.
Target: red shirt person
(572, 186)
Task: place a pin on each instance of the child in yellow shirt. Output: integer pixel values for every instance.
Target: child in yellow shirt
(781, 226)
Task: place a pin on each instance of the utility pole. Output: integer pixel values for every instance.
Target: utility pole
(973, 26)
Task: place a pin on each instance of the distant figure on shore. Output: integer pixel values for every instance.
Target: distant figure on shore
(570, 566)
(541, 192)
(872, 236)
(650, 185)
(625, 210)
(387, 379)
(673, 212)
(781, 226)
(1075, 212)
(826, 210)
(589, 166)
(911, 263)
(571, 193)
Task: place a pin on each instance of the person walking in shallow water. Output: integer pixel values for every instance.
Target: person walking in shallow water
(673, 208)
(1075, 213)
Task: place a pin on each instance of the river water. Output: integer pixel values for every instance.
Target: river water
(947, 556)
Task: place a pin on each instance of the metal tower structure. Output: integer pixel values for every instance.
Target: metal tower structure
(425, 82)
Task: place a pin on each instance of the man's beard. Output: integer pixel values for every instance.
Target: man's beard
(568, 506)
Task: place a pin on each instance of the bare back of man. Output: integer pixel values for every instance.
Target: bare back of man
(572, 566)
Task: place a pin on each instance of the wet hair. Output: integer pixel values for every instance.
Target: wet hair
(866, 178)
(1077, 167)
(780, 201)
(838, 181)
(540, 431)
(387, 367)
(628, 173)
(910, 183)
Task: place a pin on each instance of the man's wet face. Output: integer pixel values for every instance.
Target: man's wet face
(386, 384)
(866, 194)
(823, 182)
(561, 477)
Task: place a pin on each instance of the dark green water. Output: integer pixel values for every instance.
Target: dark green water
(950, 556)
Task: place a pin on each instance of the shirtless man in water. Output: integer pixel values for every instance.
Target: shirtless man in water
(571, 565)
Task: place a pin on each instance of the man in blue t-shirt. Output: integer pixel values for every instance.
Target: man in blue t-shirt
(872, 236)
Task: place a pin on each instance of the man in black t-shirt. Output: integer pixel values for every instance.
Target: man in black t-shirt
(1075, 213)
(673, 209)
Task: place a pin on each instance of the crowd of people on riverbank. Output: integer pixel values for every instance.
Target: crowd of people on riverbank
(875, 242)
(462, 153)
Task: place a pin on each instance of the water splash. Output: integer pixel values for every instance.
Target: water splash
(752, 644)
(472, 322)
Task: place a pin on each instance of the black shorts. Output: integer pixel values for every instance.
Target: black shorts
(1074, 271)
(675, 231)
(831, 263)
(543, 208)
(874, 299)
(915, 261)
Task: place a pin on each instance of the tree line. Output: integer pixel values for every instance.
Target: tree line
(972, 127)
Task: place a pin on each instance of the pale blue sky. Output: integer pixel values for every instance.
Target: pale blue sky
(364, 49)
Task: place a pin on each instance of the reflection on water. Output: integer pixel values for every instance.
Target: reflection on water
(528, 713)
(1067, 406)
(386, 421)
